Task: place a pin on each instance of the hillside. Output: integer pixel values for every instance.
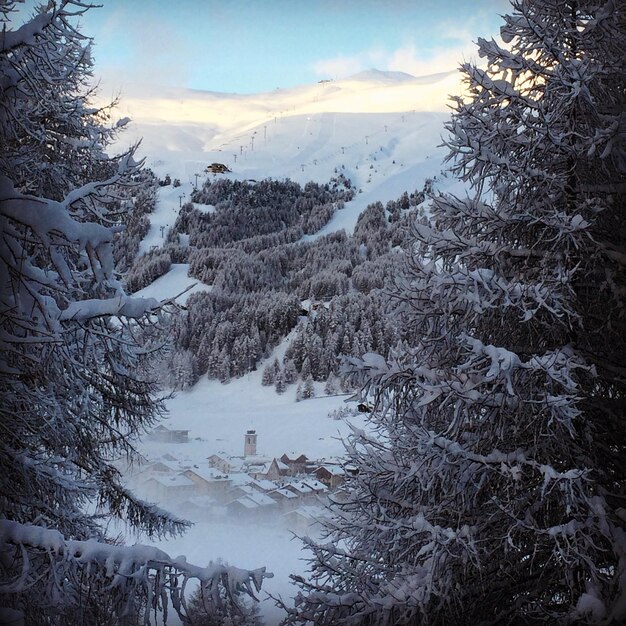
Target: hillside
(286, 272)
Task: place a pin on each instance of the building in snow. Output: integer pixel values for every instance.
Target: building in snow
(250, 441)
(296, 463)
(169, 488)
(331, 475)
(209, 481)
(162, 434)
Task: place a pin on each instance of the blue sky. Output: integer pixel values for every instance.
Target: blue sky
(248, 46)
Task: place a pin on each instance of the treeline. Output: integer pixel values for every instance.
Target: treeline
(245, 209)
(137, 201)
(264, 280)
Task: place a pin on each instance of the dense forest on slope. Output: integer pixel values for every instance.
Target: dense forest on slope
(248, 241)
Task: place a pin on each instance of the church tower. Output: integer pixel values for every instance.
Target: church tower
(249, 448)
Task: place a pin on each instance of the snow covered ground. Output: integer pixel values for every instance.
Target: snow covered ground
(381, 130)
(217, 417)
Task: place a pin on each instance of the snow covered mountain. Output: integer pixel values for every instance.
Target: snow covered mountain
(301, 133)
(381, 130)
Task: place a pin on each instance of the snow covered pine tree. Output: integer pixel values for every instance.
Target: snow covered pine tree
(73, 399)
(494, 492)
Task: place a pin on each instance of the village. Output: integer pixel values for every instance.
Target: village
(292, 490)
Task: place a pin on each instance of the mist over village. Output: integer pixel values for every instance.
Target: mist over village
(313, 313)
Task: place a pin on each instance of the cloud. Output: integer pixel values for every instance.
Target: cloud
(342, 66)
(409, 59)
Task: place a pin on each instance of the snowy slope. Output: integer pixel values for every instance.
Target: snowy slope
(381, 130)
(302, 133)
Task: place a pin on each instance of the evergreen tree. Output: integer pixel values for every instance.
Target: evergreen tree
(299, 392)
(203, 610)
(279, 382)
(268, 375)
(496, 494)
(308, 389)
(330, 388)
(290, 372)
(73, 346)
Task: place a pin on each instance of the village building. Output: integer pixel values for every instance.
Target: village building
(331, 475)
(263, 485)
(254, 504)
(296, 463)
(217, 168)
(162, 434)
(169, 488)
(223, 463)
(317, 487)
(286, 499)
(239, 490)
(196, 508)
(272, 471)
(250, 441)
(300, 489)
(159, 467)
(301, 519)
(209, 481)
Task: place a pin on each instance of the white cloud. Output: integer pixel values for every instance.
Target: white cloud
(342, 66)
(408, 59)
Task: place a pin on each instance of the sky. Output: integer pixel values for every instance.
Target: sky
(252, 46)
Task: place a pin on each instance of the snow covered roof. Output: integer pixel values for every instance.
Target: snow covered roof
(299, 487)
(210, 474)
(247, 489)
(162, 429)
(315, 485)
(246, 502)
(254, 500)
(261, 499)
(285, 493)
(159, 466)
(294, 456)
(264, 484)
(334, 470)
(177, 480)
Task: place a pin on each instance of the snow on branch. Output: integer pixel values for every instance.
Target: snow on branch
(121, 306)
(33, 555)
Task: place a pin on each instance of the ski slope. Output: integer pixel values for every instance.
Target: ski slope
(390, 121)
(383, 131)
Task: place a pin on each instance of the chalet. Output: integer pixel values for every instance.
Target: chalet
(254, 503)
(272, 471)
(295, 462)
(222, 463)
(209, 481)
(285, 498)
(160, 467)
(318, 488)
(170, 488)
(217, 168)
(331, 475)
(196, 508)
(263, 485)
(237, 491)
(162, 434)
(303, 489)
